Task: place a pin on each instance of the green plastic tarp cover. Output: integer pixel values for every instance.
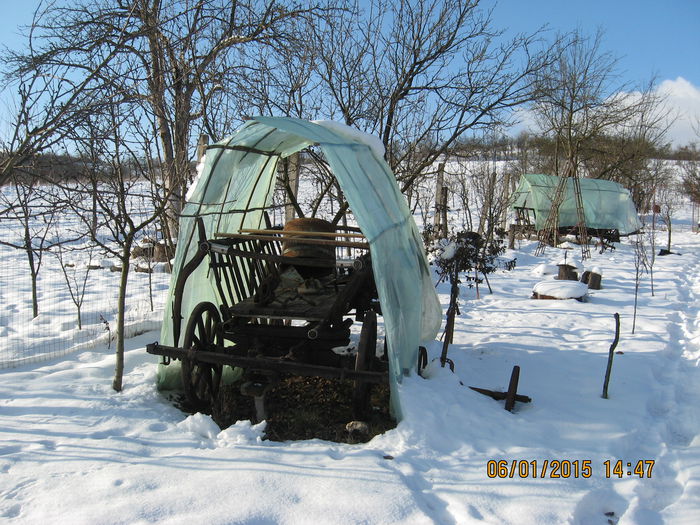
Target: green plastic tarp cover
(237, 184)
(606, 204)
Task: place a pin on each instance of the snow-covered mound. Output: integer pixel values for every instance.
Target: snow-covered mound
(545, 269)
(561, 289)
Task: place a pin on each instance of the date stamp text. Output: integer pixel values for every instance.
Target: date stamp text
(565, 468)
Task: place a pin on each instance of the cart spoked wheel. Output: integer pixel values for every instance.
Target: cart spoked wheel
(202, 334)
(366, 350)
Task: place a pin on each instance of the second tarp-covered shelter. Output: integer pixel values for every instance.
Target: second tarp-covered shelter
(237, 184)
(606, 204)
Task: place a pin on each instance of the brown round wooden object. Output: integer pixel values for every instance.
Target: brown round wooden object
(296, 249)
(304, 250)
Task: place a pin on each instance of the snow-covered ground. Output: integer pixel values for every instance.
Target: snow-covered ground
(74, 451)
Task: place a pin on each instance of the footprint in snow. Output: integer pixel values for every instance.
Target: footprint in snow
(12, 511)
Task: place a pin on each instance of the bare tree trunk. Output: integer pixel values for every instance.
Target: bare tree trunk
(93, 224)
(439, 183)
(32, 268)
(443, 212)
(485, 219)
(35, 300)
(292, 168)
(505, 199)
(121, 307)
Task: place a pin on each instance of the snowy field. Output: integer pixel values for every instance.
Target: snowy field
(74, 451)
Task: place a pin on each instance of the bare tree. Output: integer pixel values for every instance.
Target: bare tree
(176, 56)
(641, 266)
(115, 74)
(129, 197)
(51, 95)
(576, 99)
(667, 197)
(75, 274)
(580, 105)
(690, 176)
(594, 120)
(421, 74)
(624, 153)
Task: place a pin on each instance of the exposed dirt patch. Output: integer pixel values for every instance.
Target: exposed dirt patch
(306, 408)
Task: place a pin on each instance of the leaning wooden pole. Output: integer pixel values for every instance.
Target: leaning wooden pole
(581, 218)
(611, 354)
(512, 389)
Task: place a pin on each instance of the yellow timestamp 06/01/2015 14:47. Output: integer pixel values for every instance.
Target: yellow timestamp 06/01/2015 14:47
(566, 468)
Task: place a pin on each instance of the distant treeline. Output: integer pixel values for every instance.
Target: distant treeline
(52, 167)
(504, 147)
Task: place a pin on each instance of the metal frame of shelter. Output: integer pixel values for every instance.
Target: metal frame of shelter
(592, 205)
(236, 186)
(551, 228)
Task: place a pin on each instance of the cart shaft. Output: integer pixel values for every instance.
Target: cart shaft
(271, 364)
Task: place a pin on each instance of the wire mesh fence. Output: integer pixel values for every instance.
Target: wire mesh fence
(56, 329)
(60, 297)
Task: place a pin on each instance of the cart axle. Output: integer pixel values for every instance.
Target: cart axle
(272, 364)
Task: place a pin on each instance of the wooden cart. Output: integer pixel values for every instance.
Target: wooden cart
(280, 314)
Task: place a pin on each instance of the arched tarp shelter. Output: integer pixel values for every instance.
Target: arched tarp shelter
(237, 184)
(606, 204)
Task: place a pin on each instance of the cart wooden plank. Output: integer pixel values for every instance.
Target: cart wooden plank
(300, 240)
(309, 234)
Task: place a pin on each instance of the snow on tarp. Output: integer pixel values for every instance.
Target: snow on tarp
(237, 183)
(606, 204)
(354, 134)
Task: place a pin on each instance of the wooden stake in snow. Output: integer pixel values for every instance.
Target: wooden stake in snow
(511, 396)
(611, 354)
(512, 388)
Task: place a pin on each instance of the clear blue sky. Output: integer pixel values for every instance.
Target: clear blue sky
(14, 13)
(650, 37)
(660, 37)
